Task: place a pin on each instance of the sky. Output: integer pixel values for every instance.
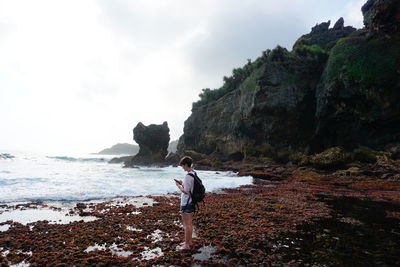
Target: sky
(77, 76)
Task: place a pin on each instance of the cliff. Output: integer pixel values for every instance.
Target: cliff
(337, 87)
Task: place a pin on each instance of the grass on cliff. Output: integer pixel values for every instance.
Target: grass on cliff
(246, 76)
(369, 62)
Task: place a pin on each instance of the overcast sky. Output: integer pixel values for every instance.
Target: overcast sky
(77, 76)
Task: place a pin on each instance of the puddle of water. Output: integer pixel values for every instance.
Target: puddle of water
(155, 236)
(114, 249)
(138, 202)
(130, 228)
(21, 264)
(204, 254)
(55, 211)
(26, 216)
(148, 254)
(4, 227)
(95, 247)
(358, 234)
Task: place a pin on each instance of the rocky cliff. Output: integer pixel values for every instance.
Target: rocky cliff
(338, 86)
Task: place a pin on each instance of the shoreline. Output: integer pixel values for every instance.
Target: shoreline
(267, 222)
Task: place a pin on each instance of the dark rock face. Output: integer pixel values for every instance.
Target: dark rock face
(322, 27)
(151, 139)
(357, 100)
(153, 143)
(382, 16)
(337, 87)
(339, 25)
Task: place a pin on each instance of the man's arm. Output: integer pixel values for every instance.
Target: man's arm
(181, 186)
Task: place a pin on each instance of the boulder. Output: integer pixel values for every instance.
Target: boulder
(331, 158)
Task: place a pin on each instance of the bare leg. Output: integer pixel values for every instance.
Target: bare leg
(188, 226)
(184, 227)
(183, 220)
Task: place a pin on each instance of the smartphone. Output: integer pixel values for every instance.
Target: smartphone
(179, 182)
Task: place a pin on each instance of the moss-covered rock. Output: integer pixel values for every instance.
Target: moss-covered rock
(196, 156)
(299, 158)
(365, 155)
(357, 100)
(331, 158)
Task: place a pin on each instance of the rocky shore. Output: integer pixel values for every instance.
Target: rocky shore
(295, 216)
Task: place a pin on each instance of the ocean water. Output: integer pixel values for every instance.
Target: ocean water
(36, 177)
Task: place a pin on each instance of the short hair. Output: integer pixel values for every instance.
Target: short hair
(186, 161)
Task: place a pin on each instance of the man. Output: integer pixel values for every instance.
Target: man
(187, 206)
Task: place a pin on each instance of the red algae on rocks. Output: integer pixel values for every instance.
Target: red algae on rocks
(260, 224)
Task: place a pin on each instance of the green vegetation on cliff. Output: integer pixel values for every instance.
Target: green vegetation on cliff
(367, 61)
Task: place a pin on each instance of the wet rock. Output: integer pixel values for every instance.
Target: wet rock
(394, 150)
(331, 158)
(260, 175)
(364, 154)
(120, 159)
(237, 156)
(173, 159)
(196, 156)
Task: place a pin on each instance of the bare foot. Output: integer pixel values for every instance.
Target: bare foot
(183, 246)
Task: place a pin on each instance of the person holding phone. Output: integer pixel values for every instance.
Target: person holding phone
(186, 206)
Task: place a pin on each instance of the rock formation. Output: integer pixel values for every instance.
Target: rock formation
(382, 16)
(339, 25)
(153, 143)
(337, 87)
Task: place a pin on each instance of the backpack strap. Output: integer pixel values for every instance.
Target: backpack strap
(194, 177)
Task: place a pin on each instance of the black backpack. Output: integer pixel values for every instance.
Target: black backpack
(199, 191)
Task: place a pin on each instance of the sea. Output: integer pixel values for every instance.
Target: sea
(35, 177)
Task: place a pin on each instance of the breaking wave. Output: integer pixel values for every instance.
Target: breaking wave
(78, 159)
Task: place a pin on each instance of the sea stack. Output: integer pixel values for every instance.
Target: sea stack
(153, 143)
